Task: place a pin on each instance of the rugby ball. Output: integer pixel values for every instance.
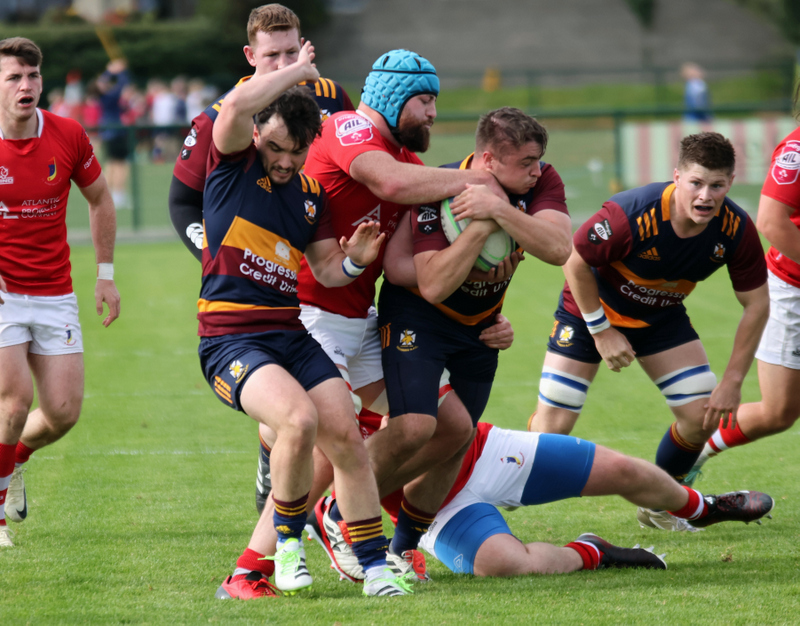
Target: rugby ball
(498, 245)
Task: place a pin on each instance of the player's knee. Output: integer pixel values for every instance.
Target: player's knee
(13, 415)
(562, 391)
(412, 431)
(299, 426)
(687, 384)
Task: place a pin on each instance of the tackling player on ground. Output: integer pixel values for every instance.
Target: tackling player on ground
(634, 263)
(40, 333)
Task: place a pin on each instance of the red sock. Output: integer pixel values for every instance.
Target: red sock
(694, 508)
(6, 469)
(251, 560)
(22, 454)
(726, 438)
(589, 552)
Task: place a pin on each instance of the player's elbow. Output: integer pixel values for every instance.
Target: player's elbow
(389, 188)
(562, 252)
(433, 293)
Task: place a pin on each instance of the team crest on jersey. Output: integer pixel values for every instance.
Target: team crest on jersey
(265, 184)
(787, 165)
(408, 340)
(352, 130)
(69, 340)
(324, 114)
(719, 253)
(601, 231)
(565, 335)
(237, 370)
(191, 139)
(5, 179)
(52, 171)
(522, 206)
(311, 211)
(519, 461)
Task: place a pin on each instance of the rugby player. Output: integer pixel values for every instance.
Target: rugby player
(633, 265)
(778, 354)
(40, 334)
(261, 216)
(366, 162)
(437, 322)
(273, 34)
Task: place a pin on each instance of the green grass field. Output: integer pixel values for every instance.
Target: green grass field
(140, 512)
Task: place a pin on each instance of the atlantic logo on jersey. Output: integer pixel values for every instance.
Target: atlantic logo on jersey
(5, 179)
(601, 231)
(428, 220)
(787, 165)
(352, 130)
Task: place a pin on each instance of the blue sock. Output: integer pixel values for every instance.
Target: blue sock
(675, 455)
(412, 523)
(290, 518)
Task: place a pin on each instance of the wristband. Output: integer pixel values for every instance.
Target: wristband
(105, 271)
(350, 269)
(596, 322)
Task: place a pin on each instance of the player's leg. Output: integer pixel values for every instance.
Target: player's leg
(357, 502)
(570, 365)
(16, 397)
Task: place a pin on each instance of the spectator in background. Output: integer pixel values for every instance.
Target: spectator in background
(696, 98)
(110, 85)
(199, 97)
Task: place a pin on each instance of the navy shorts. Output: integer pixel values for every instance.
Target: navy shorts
(229, 360)
(571, 338)
(417, 342)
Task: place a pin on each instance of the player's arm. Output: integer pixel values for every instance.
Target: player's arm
(186, 214)
(338, 264)
(441, 272)
(773, 222)
(233, 129)
(727, 395)
(612, 345)
(409, 183)
(3, 288)
(546, 234)
(103, 226)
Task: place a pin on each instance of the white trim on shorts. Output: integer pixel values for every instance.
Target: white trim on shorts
(49, 323)
(351, 343)
(780, 341)
(499, 478)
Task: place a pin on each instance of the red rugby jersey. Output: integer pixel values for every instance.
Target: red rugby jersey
(345, 136)
(783, 184)
(35, 176)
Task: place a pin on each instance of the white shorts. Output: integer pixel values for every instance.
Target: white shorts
(49, 323)
(353, 344)
(780, 342)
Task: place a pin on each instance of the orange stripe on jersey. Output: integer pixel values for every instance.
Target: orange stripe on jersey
(309, 184)
(263, 244)
(623, 321)
(665, 198)
(730, 223)
(657, 284)
(331, 86)
(217, 306)
(467, 320)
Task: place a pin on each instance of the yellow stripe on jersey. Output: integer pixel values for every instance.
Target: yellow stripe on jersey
(730, 223)
(648, 224)
(265, 245)
(659, 284)
(331, 87)
(310, 185)
(215, 306)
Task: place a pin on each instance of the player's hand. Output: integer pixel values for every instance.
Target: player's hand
(506, 269)
(305, 59)
(364, 244)
(106, 291)
(615, 349)
(477, 202)
(3, 289)
(723, 404)
(500, 335)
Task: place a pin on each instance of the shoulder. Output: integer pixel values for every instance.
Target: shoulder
(308, 185)
(64, 125)
(635, 201)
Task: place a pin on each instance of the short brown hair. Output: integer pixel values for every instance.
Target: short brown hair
(23, 49)
(299, 112)
(709, 150)
(269, 18)
(508, 126)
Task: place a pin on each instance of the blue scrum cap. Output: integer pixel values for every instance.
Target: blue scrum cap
(396, 77)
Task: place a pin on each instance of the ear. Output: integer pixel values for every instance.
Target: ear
(250, 55)
(489, 160)
(255, 134)
(676, 175)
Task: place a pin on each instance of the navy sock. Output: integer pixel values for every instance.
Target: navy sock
(290, 518)
(412, 523)
(675, 455)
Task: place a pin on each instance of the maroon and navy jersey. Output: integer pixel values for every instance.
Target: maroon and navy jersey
(783, 184)
(644, 270)
(35, 175)
(345, 136)
(474, 302)
(192, 162)
(255, 236)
